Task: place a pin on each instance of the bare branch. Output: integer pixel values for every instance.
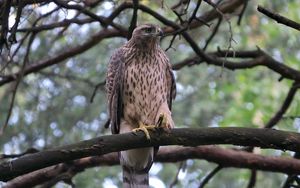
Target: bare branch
(220, 156)
(212, 35)
(175, 181)
(35, 67)
(264, 138)
(280, 19)
(260, 59)
(252, 179)
(210, 175)
(12, 38)
(287, 102)
(19, 77)
(63, 23)
(242, 13)
(133, 19)
(100, 84)
(5, 6)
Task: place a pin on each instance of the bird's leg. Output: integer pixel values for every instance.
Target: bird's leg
(144, 128)
(162, 121)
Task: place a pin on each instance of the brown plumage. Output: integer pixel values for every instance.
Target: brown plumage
(140, 88)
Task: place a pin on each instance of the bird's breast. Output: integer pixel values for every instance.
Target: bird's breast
(144, 89)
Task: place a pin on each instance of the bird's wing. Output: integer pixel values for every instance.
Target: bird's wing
(114, 84)
(171, 86)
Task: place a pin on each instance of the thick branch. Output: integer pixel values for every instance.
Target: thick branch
(223, 157)
(264, 138)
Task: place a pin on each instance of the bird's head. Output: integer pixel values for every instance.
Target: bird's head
(147, 31)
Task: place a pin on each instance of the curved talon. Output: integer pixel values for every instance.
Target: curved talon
(144, 128)
(162, 121)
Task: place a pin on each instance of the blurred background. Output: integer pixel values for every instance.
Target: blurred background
(52, 106)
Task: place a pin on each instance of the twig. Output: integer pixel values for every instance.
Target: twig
(133, 19)
(242, 13)
(280, 19)
(171, 43)
(12, 38)
(19, 78)
(252, 179)
(195, 12)
(92, 41)
(288, 183)
(175, 181)
(212, 35)
(65, 28)
(20, 43)
(95, 90)
(287, 102)
(63, 23)
(215, 6)
(209, 176)
(180, 3)
(272, 122)
(183, 10)
(178, 16)
(104, 22)
(291, 178)
(4, 23)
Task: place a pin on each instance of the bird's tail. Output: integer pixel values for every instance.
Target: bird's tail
(135, 179)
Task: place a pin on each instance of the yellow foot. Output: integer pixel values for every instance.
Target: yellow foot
(144, 128)
(162, 121)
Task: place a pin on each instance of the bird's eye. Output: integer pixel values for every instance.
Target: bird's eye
(148, 30)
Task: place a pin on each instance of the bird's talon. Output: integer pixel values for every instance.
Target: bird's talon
(145, 129)
(134, 131)
(162, 121)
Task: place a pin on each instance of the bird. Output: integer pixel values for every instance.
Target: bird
(140, 88)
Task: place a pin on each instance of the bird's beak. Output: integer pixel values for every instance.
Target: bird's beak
(160, 32)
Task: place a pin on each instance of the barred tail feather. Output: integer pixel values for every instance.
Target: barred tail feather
(135, 179)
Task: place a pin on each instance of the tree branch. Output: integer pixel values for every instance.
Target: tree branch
(264, 60)
(210, 175)
(287, 102)
(225, 8)
(264, 138)
(280, 19)
(94, 40)
(18, 81)
(133, 22)
(223, 157)
(260, 58)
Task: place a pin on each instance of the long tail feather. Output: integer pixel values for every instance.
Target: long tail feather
(135, 179)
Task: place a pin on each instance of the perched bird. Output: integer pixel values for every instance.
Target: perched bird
(140, 88)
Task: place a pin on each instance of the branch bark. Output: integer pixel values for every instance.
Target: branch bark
(260, 58)
(280, 19)
(223, 157)
(264, 138)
